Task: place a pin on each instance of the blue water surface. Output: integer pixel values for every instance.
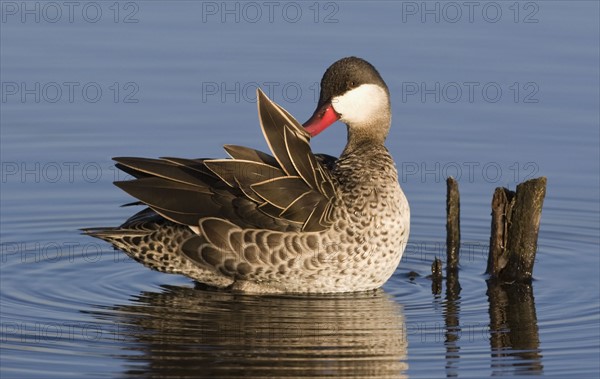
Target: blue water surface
(492, 93)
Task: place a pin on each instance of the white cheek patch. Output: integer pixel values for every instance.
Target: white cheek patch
(361, 104)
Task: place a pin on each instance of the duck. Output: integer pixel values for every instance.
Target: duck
(287, 222)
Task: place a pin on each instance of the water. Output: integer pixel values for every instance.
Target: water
(492, 103)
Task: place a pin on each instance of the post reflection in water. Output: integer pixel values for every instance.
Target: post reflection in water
(514, 338)
(452, 320)
(514, 329)
(183, 332)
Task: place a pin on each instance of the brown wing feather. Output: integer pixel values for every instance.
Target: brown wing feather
(301, 208)
(289, 143)
(167, 194)
(301, 157)
(291, 190)
(164, 169)
(242, 173)
(248, 154)
(272, 122)
(281, 192)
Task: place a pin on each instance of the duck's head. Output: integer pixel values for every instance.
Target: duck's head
(353, 92)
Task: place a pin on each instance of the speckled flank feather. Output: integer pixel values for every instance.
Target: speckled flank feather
(294, 222)
(156, 243)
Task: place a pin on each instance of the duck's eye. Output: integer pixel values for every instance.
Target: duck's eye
(351, 84)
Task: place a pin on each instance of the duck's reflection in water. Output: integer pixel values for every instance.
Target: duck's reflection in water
(185, 332)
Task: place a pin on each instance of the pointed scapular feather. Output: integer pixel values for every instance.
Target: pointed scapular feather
(324, 183)
(246, 173)
(169, 195)
(190, 164)
(314, 222)
(272, 211)
(272, 121)
(281, 192)
(248, 210)
(133, 172)
(276, 123)
(301, 157)
(162, 169)
(184, 218)
(249, 192)
(327, 216)
(323, 174)
(248, 154)
(293, 123)
(300, 209)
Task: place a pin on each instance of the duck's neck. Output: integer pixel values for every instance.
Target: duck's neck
(366, 161)
(367, 135)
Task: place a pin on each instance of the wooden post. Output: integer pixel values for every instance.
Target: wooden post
(452, 313)
(452, 224)
(452, 241)
(502, 204)
(515, 226)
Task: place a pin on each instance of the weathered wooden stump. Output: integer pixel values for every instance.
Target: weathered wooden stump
(452, 224)
(515, 226)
